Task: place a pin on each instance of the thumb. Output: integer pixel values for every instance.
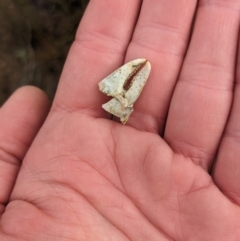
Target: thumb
(20, 119)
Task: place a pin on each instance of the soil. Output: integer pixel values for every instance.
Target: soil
(35, 37)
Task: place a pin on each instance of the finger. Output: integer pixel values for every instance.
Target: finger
(226, 173)
(161, 36)
(20, 119)
(203, 95)
(98, 50)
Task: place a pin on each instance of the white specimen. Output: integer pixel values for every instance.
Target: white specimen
(125, 85)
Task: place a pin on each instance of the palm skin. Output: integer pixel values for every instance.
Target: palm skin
(86, 177)
(107, 181)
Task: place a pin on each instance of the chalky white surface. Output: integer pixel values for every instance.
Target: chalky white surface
(121, 105)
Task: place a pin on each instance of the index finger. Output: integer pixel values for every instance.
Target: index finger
(99, 48)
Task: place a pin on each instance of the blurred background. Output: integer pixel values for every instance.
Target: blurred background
(35, 37)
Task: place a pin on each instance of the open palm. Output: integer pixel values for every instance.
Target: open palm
(86, 177)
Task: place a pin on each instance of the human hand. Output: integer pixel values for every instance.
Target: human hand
(86, 177)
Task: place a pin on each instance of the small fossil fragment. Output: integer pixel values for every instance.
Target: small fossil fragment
(125, 85)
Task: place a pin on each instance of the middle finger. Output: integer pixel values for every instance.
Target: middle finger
(161, 36)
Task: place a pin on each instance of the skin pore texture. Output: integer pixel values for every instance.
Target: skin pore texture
(172, 173)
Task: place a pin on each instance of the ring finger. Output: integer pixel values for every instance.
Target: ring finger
(203, 95)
